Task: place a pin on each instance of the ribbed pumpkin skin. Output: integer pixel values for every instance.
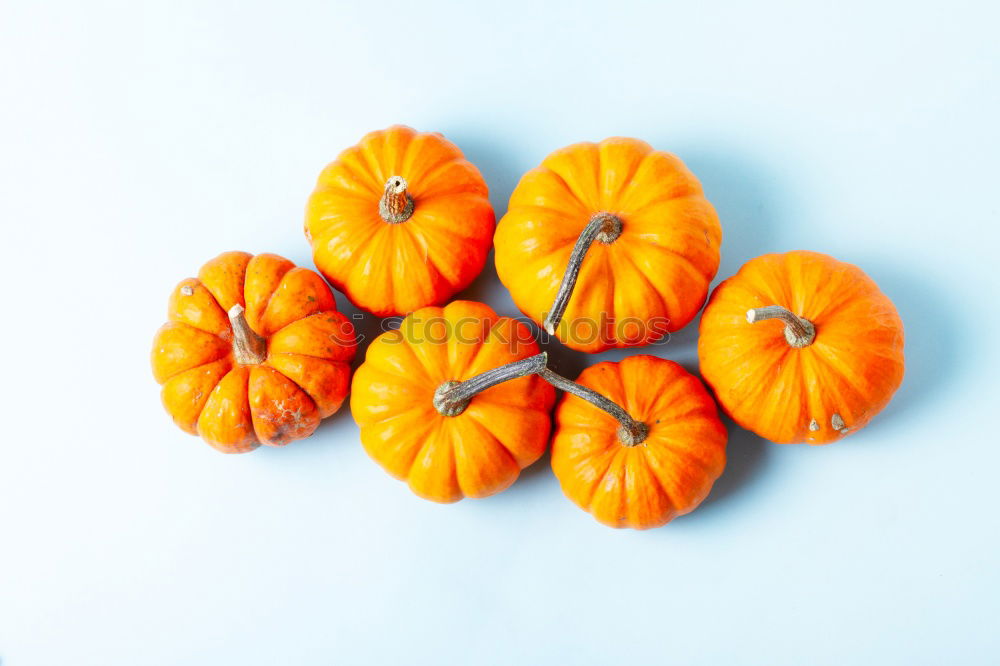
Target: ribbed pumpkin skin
(392, 269)
(851, 369)
(445, 458)
(665, 476)
(234, 407)
(657, 271)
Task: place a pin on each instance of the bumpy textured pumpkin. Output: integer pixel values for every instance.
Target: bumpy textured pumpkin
(400, 221)
(448, 403)
(254, 352)
(636, 443)
(800, 347)
(608, 245)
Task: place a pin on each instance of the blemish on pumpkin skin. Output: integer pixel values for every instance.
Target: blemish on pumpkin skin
(813, 425)
(286, 422)
(187, 290)
(282, 434)
(837, 421)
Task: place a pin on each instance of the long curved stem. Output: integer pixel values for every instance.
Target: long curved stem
(451, 398)
(248, 347)
(603, 227)
(396, 205)
(631, 432)
(799, 332)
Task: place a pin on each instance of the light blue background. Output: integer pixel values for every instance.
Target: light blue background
(141, 138)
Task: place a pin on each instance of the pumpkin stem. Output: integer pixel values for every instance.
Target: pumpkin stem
(603, 227)
(396, 205)
(799, 332)
(248, 347)
(451, 398)
(630, 431)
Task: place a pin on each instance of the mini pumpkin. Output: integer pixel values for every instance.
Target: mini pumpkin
(636, 443)
(400, 221)
(800, 347)
(254, 352)
(449, 402)
(610, 244)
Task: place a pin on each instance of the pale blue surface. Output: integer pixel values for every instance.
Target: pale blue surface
(140, 139)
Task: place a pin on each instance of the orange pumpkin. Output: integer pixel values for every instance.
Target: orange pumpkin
(800, 347)
(449, 404)
(400, 221)
(637, 443)
(608, 245)
(254, 352)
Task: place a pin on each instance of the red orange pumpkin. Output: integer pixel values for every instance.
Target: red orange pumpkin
(610, 244)
(254, 352)
(400, 221)
(636, 443)
(450, 404)
(800, 347)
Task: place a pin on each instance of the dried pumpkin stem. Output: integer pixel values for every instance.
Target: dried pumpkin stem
(451, 398)
(630, 432)
(603, 227)
(799, 332)
(396, 205)
(248, 347)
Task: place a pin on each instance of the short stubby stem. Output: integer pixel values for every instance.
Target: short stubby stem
(452, 397)
(248, 347)
(604, 228)
(631, 432)
(396, 204)
(799, 332)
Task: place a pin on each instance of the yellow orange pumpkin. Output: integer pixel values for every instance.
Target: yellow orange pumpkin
(253, 352)
(449, 402)
(610, 244)
(636, 443)
(800, 347)
(400, 221)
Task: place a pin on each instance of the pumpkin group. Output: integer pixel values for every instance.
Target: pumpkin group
(604, 245)
(610, 244)
(254, 352)
(447, 450)
(800, 347)
(642, 468)
(400, 221)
